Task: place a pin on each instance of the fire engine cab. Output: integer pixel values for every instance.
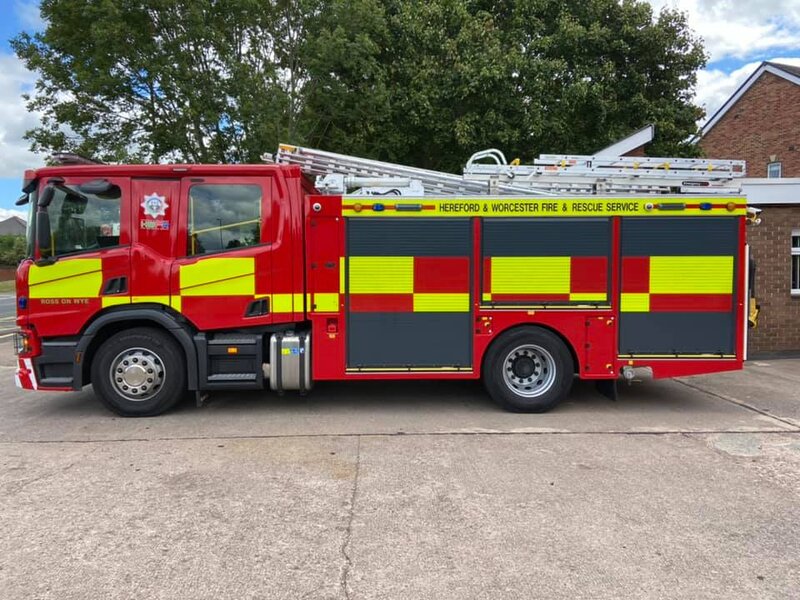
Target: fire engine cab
(148, 281)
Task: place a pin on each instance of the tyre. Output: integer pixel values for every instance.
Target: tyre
(528, 369)
(139, 373)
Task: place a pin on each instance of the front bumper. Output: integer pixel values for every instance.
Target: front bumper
(25, 375)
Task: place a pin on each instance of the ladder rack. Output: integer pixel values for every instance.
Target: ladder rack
(600, 173)
(549, 175)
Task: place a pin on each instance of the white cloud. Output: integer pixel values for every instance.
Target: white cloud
(16, 120)
(5, 213)
(737, 34)
(741, 28)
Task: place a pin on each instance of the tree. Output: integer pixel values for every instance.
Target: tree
(421, 82)
(13, 248)
(164, 79)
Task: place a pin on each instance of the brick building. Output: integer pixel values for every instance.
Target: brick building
(760, 123)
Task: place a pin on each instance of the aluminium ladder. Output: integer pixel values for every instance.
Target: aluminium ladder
(549, 175)
(605, 174)
(338, 173)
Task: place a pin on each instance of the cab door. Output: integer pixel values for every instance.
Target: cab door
(87, 263)
(223, 276)
(154, 210)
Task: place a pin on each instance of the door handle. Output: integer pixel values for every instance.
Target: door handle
(257, 308)
(115, 285)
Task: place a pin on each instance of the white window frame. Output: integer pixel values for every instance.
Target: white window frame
(795, 252)
(778, 164)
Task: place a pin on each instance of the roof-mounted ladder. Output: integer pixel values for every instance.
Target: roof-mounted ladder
(338, 173)
(549, 175)
(594, 174)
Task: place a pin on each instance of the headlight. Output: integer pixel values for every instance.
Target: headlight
(22, 343)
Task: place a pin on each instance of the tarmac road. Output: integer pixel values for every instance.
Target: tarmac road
(8, 307)
(681, 489)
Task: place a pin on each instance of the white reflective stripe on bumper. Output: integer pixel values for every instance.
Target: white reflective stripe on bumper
(29, 365)
(25, 377)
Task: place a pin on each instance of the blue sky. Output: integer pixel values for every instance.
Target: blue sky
(738, 34)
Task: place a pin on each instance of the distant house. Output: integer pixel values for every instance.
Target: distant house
(12, 226)
(760, 123)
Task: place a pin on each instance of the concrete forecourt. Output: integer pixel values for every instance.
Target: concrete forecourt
(683, 489)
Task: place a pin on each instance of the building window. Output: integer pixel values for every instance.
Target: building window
(223, 217)
(774, 170)
(796, 262)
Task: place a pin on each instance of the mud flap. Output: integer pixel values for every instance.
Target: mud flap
(607, 388)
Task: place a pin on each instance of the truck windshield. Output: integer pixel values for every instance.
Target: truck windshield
(81, 222)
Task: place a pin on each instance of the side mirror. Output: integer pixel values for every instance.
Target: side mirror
(47, 196)
(21, 200)
(43, 232)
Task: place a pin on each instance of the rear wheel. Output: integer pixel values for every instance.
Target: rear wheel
(139, 373)
(528, 369)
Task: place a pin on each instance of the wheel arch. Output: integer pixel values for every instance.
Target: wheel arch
(118, 319)
(500, 334)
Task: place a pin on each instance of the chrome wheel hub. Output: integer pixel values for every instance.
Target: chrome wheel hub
(137, 374)
(529, 370)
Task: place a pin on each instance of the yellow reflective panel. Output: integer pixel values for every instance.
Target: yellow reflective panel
(588, 297)
(342, 263)
(67, 278)
(240, 286)
(152, 299)
(691, 274)
(280, 303)
(441, 302)
(298, 302)
(66, 267)
(326, 302)
(635, 303)
(381, 274)
(219, 277)
(115, 300)
(530, 275)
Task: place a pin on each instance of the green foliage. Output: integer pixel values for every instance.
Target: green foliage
(13, 249)
(422, 82)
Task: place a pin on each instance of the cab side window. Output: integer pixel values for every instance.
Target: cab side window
(223, 217)
(81, 222)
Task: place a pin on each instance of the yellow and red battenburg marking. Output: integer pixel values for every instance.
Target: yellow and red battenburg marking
(677, 284)
(545, 279)
(409, 284)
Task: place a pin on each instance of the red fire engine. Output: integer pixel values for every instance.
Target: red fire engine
(148, 281)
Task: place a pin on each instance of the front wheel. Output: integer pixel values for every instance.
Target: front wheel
(139, 373)
(528, 369)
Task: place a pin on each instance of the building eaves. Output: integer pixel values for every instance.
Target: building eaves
(787, 72)
(791, 69)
